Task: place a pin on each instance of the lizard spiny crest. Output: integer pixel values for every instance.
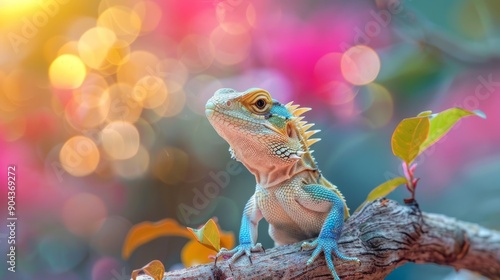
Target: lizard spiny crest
(302, 126)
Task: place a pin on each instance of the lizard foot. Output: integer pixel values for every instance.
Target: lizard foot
(238, 251)
(327, 245)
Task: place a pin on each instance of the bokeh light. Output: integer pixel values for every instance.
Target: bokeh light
(67, 72)
(52, 46)
(123, 21)
(79, 156)
(90, 104)
(14, 129)
(230, 48)
(120, 140)
(124, 105)
(340, 92)
(94, 46)
(70, 47)
(173, 105)
(151, 91)
(139, 64)
(196, 52)
(360, 65)
(150, 13)
(379, 106)
(147, 133)
(118, 53)
(133, 167)
(62, 251)
(327, 68)
(19, 88)
(83, 214)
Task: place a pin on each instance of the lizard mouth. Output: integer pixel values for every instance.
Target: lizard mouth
(209, 109)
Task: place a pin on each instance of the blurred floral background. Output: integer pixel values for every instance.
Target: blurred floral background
(102, 112)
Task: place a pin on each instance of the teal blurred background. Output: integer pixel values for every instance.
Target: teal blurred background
(102, 112)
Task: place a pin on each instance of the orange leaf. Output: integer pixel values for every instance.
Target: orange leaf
(208, 235)
(144, 232)
(154, 269)
(194, 253)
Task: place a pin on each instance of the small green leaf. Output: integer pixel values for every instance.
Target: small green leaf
(208, 235)
(443, 122)
(385, 188)
(424, 114)
(408, 137)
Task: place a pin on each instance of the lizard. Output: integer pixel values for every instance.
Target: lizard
(273, 142)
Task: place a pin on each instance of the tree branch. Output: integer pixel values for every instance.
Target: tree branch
(383, 235)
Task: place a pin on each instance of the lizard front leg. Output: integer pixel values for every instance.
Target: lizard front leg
(248, 233)
(317, 198)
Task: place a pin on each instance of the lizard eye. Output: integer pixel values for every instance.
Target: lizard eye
(260, 104)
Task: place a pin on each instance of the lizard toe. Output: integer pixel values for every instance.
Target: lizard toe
(238, 251)
(309, 245)
(327, 246)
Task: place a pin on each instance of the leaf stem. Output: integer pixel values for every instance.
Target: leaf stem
(411, 182)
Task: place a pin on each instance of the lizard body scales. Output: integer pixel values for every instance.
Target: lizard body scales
(273, 142)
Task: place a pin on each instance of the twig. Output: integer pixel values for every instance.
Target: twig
(383, 235)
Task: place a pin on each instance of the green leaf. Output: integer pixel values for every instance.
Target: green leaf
(383, 190)
(424, 114)
(443, 122)
(208, 235)
(408, 136)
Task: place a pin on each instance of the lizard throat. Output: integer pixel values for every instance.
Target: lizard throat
(270, 176)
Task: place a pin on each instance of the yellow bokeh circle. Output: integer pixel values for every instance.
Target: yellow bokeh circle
(151, 90)
(67, 71)
(94, 46)
(123, 21)
(79, 156)
(120, 140)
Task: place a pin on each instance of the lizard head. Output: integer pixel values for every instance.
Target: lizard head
(262, 132)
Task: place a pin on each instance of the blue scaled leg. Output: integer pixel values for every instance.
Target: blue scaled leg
(248, 234)
(332, 227)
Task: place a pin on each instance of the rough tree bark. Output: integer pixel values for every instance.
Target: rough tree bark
(383, 235)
